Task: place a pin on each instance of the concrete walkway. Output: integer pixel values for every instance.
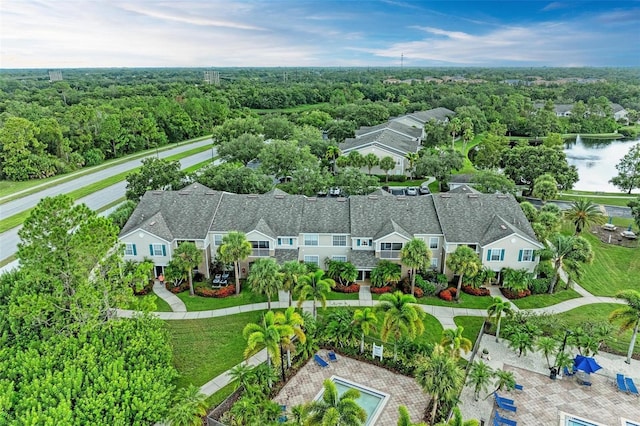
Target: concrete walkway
(365, 293)
(174, 301)
(217, 383)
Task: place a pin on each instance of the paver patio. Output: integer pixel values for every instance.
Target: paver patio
(306, 384)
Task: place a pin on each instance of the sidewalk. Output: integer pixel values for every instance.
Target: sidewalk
(217, 383)
(174, 301)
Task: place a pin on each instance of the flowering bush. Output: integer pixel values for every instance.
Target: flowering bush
(480, 291)
(380, 290)
(144, 290)
(177, 289)
(353, 288)
(418, 293)
(220, 293)
(511, 294)
(453, 291)
(446, 295)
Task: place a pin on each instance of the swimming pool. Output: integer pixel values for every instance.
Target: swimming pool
(372, 400)
(571, 420)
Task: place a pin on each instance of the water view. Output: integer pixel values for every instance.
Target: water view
(596, 161)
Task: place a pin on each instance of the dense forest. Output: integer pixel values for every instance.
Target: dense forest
(49, 128)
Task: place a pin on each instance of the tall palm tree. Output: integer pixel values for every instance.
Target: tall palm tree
(404, 418)
(628, 316)
(521, 341)
(505, 380)
(235, 248)
(548, 346)
(584, 213)
(294, 320)
(453, 340)
(454, 128)
(385, 272)
(464, 261)
(314, 285)
(401, 317)
(457, 420)
(190, 407)
(366, 320)
(267, 334)
(498, 308)
(265, 278)
(440, 377)
(188, 256)
(336, 410)
(291, 272)
(479, 377)
(413, 158)
(416, 255)
(332, 153)
(370, 161)
(243, 375)
(566, 249)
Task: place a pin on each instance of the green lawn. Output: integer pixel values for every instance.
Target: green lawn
(617, 201)
(199, 303)
(613, 269)
(205, 348)
(161, 305)
(335, 295)
(471, 326)
(600, 312)
(217, 398)
(542, 300)
(299, 108)
(466, 301)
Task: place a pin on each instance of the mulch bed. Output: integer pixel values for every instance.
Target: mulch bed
(614, 237)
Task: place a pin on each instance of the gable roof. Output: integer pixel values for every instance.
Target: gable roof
(480, 218)
(385, 138)
(184, 214)
(396, 126)
(439, 114)
(464, 189)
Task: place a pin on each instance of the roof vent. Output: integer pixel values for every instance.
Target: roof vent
(152, 223)
(504, 228)
(157, 192)
(341, 199)
(373, 197)
(311, 198)
(279, 197)
(184, 192)
(502, 196)
(210, 192)
(445, 195)
(472, 195)
(401, 197)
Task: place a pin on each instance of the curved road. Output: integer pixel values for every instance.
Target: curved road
(95, 201)
(28, 201)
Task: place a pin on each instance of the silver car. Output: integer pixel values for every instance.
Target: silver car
(411, 191)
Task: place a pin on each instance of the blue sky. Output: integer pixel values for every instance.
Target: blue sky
(211, 33)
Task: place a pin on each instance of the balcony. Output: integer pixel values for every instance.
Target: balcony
(389, 254)
(260, 252)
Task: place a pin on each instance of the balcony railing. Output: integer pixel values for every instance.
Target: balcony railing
(260, 252)
(389, 254)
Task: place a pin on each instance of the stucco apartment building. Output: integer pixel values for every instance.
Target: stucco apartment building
(360, 229)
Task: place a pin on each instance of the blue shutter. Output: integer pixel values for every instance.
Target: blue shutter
(164, 250)
(135, 252)
(279, 241)
(488, 254)
(370, 243)
(358, 242)
(520, 256)
(502, 255)
(151, 249)
(290, 241)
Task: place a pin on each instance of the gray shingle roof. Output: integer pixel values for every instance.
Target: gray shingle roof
(325, 215)
(184, 214)
(477, 218)
(411, 131)
(464, 189)
(285, 255)
(370, 216)
(386, 138)
(363, 259)
(439, 114)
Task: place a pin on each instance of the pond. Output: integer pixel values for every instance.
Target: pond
(596, 161)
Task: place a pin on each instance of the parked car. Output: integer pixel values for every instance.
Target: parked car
(424, 189)
(411, 191)
(334, 192)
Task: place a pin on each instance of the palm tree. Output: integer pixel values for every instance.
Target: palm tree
(292, 271)
(497, 308)
(467, 133)
(267, 334)
(243, 375)
(547, 346)
(584, 213)
(292, 319)
(628, 316)
(401, 317)
(190, 407)
(504, 380)
(370, 160)
(457, 420)
(566, 249)
(479, 378)
(440, 377)
(336, 410)
(332, 153)
(366, 320)
(416, 255)
(455, 341)
(265, 278)
(188, 256)
(404, 418)
(454, 128)
(521, 341)
(235, 248)
(387, 163)
(413, 158)
(463, 261)
(385, 272)
(315, 286)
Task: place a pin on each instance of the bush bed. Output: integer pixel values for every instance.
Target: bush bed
(147, 289)
(381, 290)
(448, 294)
(352, 288)
(177, 289)
(511, 294)
(219, 293)
(481, 291)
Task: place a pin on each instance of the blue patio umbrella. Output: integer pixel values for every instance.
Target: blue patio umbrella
(586, 364)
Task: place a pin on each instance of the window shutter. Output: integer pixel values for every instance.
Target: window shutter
(164, 250)
(489, 254)
(279, 241)
(520, 256)
(358, 242)
(290, 241)
(502, 254)
(151, 249)
(370, 243)
(135, 252)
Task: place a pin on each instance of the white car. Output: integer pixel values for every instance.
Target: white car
(411, 191)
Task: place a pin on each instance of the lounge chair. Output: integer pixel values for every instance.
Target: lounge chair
(332, 356)
(631, 387)
(565, 372)
(224, 279)
(217, 278)
(518, 387)
(321, 362)
(504, 421)
(505, 400)
(505, 406)
(621, 384)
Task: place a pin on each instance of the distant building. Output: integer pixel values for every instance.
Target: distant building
(55, 75)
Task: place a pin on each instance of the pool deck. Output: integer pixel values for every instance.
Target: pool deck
(307, 383)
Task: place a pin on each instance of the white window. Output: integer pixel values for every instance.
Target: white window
(339, 258)
(526, 255)
(310, 239)
(495, 255)
(217, 239)
(433, 242)
(158, 250)
(364, 243)
(312, 259)
(434, 263)
(340, 240)
(390, 246)
(130, 249)
(260, 248)
(285, 241)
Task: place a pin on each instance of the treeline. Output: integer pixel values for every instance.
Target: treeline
(52, 128)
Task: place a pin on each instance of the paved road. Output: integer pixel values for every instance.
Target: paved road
(28, 201)
(615, 211)
(94, 201)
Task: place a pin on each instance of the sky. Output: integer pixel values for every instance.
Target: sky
(303, 33)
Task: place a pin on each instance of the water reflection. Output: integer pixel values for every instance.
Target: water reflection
(596, 161)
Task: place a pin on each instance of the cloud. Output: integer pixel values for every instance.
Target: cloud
(555, 6)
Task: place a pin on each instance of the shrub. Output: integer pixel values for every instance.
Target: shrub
(429, 289)
(446, 295)
(144, 290)
(353, 288)
(476, 291)
(540, 285)
(418, 293)
(381, 290)
(175, 289)
(220, 293)
(511, 294)
(93, 157)
(453, 291)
